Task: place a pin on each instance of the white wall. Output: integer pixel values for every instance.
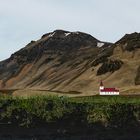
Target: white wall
(109, 93)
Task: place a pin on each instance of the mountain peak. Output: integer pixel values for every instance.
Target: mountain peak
(130, 37)
(130, 41)
(63, 34)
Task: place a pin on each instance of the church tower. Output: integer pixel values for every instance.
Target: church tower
(101, 85)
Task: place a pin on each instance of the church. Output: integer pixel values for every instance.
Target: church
(107, 91)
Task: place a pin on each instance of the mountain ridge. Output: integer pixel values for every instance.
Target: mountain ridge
(63, 61)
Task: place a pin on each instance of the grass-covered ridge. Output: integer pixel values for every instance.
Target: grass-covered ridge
(43, 110)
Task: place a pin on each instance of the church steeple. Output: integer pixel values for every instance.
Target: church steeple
(101, 85)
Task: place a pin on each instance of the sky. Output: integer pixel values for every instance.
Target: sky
(24, 20)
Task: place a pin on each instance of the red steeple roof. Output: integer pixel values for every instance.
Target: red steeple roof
(101, 84)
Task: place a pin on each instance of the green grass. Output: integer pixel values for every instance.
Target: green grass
(108, 111)
(109, 99)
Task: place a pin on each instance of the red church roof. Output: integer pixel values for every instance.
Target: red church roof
(109, 90)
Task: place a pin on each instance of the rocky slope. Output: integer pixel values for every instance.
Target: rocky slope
(73, 61)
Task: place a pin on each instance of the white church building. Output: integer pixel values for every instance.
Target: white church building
(107, 91)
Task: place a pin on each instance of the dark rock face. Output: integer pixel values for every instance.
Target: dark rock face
(68, 40)
(109, 66)
(137, 79)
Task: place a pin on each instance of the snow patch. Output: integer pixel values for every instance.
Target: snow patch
(100, 44)
(52, 34)
(67, 34)
(77, 33)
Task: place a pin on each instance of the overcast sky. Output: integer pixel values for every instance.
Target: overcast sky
(24, 20)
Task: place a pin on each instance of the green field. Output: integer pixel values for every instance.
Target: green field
(108, 111)
(109, 99)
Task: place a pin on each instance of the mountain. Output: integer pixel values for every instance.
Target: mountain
(74, 62)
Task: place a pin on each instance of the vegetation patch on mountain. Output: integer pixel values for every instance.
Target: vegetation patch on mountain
(137, 79)
(109, 66)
